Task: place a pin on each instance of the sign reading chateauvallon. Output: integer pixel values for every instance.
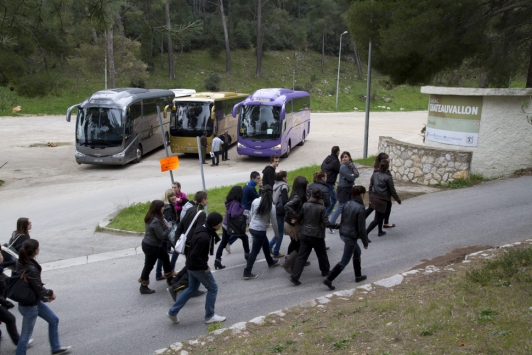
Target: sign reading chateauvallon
(454, 119)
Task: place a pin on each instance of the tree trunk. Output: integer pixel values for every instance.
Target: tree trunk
(259, 38)
(119, 25)
(111, 58)
(226, 36)
(94, 35)
(323, 52)
(357, 60)
(171, 73)
(529, 74)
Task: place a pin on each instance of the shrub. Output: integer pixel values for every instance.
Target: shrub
(212, 82)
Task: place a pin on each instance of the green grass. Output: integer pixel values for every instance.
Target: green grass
(131, 218)
(474, 179)
(278, 67)
(369, 161)
(446, 312)
(1, 182)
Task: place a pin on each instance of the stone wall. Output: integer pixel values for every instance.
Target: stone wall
(423, 165)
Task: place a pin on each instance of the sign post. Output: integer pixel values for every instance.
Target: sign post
(201, 168)
(165, 144)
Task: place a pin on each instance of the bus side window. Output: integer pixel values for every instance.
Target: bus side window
(134, 111)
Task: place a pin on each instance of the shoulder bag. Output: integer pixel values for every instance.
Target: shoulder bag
(19, 289)
(182, 241)
(8, 251)
(236, 226)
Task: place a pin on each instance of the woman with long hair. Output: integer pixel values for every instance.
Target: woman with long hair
(387, 224)
(156, 233)
(233, 209)
(31, 269)
(19, 236)
(262, 215)
(280, 198)
(348, 174)
(353, 228)
(172, 218)
(313, 220)
(319, 181)
(382, 190)
(292, 208)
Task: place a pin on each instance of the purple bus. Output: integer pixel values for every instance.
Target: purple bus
(272, 121)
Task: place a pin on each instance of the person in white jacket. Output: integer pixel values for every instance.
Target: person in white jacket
(262, 215)
(216, 149)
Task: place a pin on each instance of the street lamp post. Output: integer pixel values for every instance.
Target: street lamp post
(338, 79)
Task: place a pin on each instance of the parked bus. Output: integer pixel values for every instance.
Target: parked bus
(272, 121)
(117, 126)
(183, 92)
(204, 111)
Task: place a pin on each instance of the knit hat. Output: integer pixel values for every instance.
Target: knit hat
(214, 219)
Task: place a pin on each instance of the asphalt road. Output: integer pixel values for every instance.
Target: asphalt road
(100, 307)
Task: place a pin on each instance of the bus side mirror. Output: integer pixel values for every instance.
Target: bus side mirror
(235, 109)
(165, 109)
(69, 111)
(283, 112)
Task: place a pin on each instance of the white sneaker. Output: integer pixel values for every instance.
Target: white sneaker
(215, 319)
(228, 248)
(172, 318)
(30, 343)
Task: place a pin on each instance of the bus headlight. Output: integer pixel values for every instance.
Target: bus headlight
(119, 155)
(79, 154)
(241, 146)
(277, 147)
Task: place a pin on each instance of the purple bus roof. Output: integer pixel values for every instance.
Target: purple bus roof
(274, 96)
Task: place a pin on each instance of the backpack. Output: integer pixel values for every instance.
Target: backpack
(184, 210)
(277, 200)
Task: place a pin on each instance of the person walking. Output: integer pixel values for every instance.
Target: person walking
(181, 200)
(348, 175)
(331, 167)
(234, 209)
(5, 305)
(215, 150)
(201, 245)
(386, 223)
(156, 233)
(280, 198)
(249, 192)
(227, 140)
(381, 189)
(353, 227)
(313, 219)
(319, 181)
(262, 214)
(203, 147)
(170, 217)
(268, 174)
(292, 208)
(19, 236)
(32, 271)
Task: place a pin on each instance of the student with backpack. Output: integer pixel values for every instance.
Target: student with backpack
(280, 198)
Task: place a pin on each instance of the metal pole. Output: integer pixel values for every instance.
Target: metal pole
(338, 78)
(164, 139)
(368, 95)
(201, 169)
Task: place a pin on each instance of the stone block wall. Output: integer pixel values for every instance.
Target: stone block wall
(423, 165)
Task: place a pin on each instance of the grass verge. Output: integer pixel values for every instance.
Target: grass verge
(369, 161)
(1, 182)
(480, 307)
(474, 179)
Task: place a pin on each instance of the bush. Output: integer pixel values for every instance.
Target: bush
(216, 49)
(212, 83)
(137, 83)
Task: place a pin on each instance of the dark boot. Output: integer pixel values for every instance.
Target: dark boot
(289, 262)
(358, 271)
(246, 255)
(337, 269)
(218, 265)
(169, 276)
(144, 289)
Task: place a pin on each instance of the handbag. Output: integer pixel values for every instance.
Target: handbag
(182, 241)
(8, 251)
(19, 290)
(236, 226)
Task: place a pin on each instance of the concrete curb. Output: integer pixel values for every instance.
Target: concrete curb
(105, 222)
(389, 282)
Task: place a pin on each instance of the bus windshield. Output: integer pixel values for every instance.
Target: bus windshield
(98, 125)
(193, 118)
(260, 122)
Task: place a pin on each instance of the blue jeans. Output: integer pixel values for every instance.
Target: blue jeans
(332, 192)
(29, 317)
(351, 250)
(194, 279)
(280, 228)
(337, 212)
(260, 241)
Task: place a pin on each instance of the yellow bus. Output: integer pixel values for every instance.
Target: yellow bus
(203, 111)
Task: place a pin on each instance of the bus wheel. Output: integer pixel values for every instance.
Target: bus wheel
(302, 140)
(138, 154)
(285, 155)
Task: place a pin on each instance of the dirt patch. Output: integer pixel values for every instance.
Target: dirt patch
(454, 256)
(522, 172)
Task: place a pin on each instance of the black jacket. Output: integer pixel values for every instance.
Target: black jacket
(292, 208)
(19, 238)
(169, 213)
(268, 176)
(201, 244)
(187, 220)
(156, 232)
(32, 271)
(331, 167)
(313, 219)
(326, 196)
(354, 220)
(381, 186)
(227, 141)
(3, 302)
